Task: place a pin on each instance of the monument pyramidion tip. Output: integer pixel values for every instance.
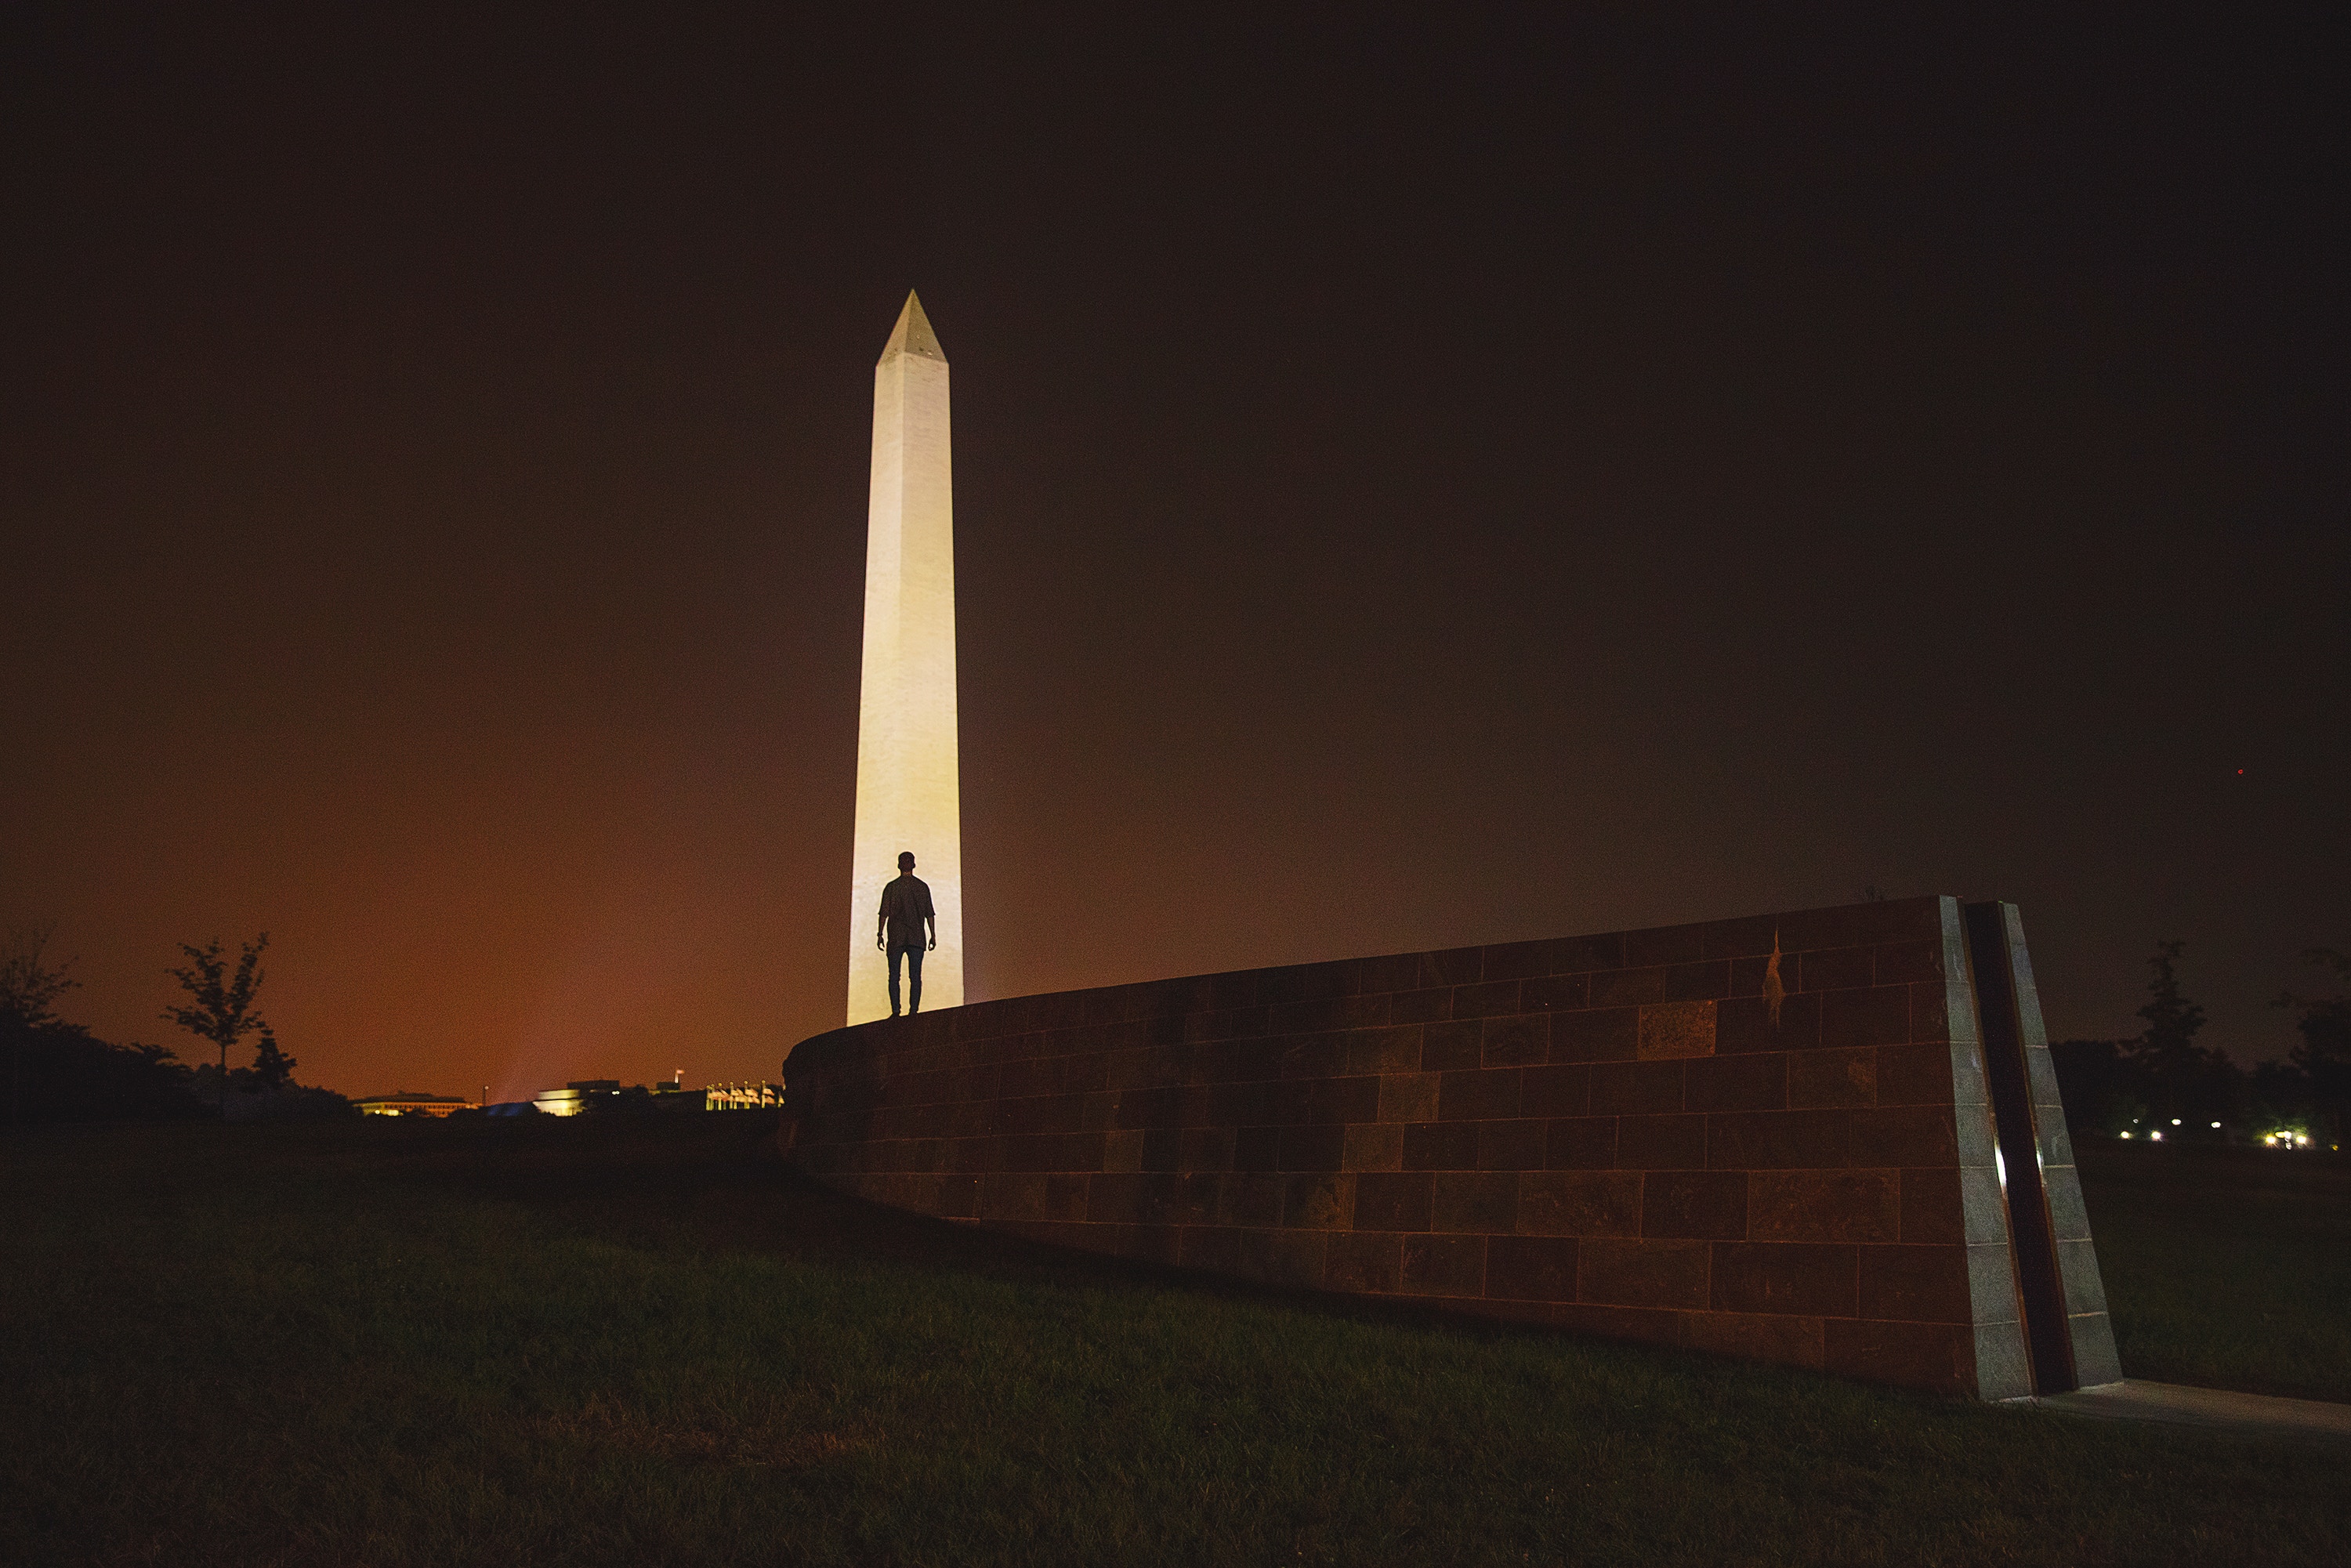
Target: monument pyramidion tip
(912, 335)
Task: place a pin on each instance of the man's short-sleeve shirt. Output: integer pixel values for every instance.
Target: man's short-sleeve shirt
(905, 904)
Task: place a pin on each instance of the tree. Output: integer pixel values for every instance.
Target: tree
(272, 1066)
(2175, 1075)
(2325, 1053)
(28, 985)
(223, 1012)
(2172, 1019)
(57, 1072)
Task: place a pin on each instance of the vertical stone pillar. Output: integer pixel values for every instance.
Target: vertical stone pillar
(2004, 1367)
(2071, 1335)
(908, 784)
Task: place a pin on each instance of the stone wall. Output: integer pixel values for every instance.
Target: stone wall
(1769, 1137)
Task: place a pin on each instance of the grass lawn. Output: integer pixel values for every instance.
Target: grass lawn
(643, 1343)
(2230, 1267)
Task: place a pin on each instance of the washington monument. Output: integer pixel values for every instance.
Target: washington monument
(908, 789)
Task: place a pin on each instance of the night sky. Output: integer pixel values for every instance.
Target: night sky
(1446, 479)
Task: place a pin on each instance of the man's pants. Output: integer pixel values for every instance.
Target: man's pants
(913, 953)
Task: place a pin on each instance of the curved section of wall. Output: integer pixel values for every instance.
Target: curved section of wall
(1768, 1137)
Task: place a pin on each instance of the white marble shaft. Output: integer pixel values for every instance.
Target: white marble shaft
(908, 789)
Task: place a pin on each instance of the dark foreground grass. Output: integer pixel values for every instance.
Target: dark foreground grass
(2228, 1268)
(588, 1344)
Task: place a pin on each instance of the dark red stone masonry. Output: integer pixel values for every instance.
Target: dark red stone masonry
(1665, 1136)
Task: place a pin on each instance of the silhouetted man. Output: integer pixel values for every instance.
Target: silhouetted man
(906, 909)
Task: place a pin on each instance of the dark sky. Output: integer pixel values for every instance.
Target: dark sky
(1467, 476)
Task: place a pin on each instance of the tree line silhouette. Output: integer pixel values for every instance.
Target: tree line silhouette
(2161, 1081)
(59, 1072)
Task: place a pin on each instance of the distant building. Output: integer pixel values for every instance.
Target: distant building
(606, 1095)
(576, 1096)
(407, 1105)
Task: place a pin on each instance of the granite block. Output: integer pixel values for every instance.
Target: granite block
(1642, 1273)
(1392, 1201)
(1661, 1142)
(1580, 1203)
(1530, 1268)
(1582, 1143)
(1845, 1076)
(1473, 1201)
(1440, 1146)
(1517, 1145)
(1695, 1204)
(1784, 1277)
(1363, 1261)
(1674, 1029)
(1443, 1266)
(1747, 1082)
(1596, 1034)
(1826, 1205)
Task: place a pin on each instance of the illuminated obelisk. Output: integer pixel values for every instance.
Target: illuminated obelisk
(908, 789)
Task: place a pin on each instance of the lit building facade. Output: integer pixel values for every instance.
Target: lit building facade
(407, 1104)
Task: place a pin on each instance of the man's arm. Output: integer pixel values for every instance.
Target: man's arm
(882, 921)
(933, 922)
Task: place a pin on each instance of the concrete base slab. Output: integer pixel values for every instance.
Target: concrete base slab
(2135, 1399)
